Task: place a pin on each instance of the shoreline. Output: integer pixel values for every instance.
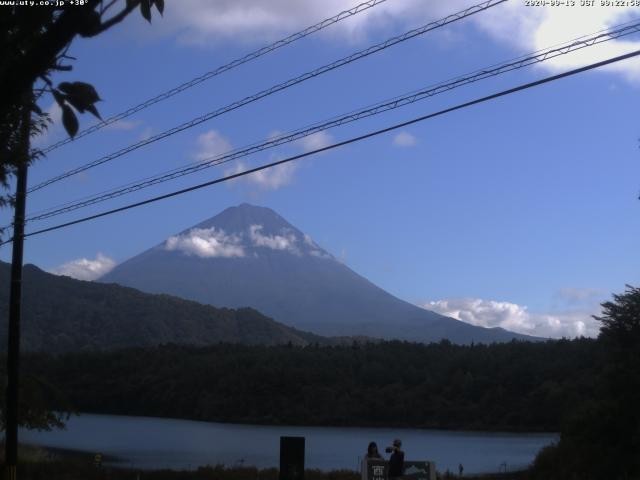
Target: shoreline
(74, 458)
(129, 447)
(59, 463)
(487, 430)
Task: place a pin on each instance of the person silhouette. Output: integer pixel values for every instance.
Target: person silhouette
(396, 461)
(372, 451)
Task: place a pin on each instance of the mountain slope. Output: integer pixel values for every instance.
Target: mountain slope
(251, 256)
(62, 314)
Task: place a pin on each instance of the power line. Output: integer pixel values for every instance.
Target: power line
(277, 88)
(338, 144)
(596, 37)
(396, 102)
(219, 70)
(400, 101)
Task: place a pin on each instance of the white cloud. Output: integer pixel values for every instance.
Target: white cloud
(268, 179)
(528, 29)
(85, 268)
(315, 141)
(523, 28)
(313, 249)
(274, 134)
(206, 22)
(404, 139)
(286, 241)
(211, 144)
(146, 133)
(206, 243)
(124, 125)
(320, 254)
(309, 241)
(517, 318)
(275, 177)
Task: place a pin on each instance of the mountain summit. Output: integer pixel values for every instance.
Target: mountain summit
(249, 256)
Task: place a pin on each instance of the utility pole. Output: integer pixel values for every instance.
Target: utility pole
(15, 299)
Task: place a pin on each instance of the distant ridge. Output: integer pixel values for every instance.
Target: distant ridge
(61, 314)
(251, 256)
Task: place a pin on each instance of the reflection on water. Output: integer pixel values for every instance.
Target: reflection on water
(151, 443)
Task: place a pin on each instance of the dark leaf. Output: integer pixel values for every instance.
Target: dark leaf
(91, 24)
(92, 109)
(69, 120)
(59, 98)
(160, 6)
(77, 103)
(84, 91)
(66, 87)
(81, 95)
(145, 9)
(132, 3)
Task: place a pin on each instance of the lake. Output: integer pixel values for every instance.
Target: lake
(152, 443)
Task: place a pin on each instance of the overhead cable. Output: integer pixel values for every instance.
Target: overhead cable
(218, 71)
(336, 145)
(274, 89)
(400, 101)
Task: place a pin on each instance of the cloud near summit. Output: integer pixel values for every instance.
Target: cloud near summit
(206, 243)
(286, 241)
(215, 242)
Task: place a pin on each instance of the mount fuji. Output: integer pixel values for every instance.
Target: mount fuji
(249, 256)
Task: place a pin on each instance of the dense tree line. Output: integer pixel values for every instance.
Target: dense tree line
(600, 438)
(514, 386)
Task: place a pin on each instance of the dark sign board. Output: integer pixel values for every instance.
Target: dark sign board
(291, 458)
(421, 470)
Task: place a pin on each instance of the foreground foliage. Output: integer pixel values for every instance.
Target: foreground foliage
(601, 437)
(34, 41)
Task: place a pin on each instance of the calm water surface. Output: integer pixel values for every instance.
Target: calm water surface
(151, 443)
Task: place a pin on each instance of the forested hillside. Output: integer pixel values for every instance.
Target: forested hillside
(513, 386)
(61, 314)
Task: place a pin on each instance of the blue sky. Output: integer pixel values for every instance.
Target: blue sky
(521, 212)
